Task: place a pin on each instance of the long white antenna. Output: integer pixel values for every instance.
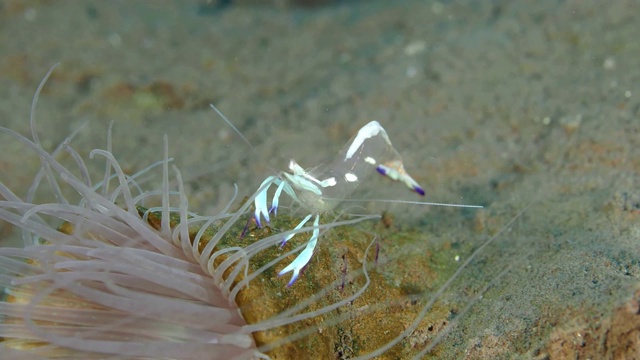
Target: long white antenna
(232, 126)
(410, 202)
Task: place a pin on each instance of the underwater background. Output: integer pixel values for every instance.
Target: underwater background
(513, 105)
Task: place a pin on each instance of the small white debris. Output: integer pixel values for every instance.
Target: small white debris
(546, 120)
(571, 123)
(457, 258)
(30, 14)
(609, 63)
(415, 47)
(437, 8)
(412, 72)
(114, 39)
(627, 94)
(224, 135)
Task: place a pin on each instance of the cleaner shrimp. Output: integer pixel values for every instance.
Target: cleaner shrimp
(323, 188)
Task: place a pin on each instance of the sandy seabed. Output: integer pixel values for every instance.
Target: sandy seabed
(502, 104)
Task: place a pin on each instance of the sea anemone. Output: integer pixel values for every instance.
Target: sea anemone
(130, 272)
(105, 281)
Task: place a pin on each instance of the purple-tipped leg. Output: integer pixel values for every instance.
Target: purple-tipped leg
(261, 202)
(303, 258)
(288, 237)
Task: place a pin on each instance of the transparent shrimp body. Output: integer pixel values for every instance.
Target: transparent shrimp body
(321, 189)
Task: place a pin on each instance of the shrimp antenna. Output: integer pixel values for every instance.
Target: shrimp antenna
(411, 202)
(235, 129)
(232, 126)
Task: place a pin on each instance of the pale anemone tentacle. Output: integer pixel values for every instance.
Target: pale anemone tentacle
(55, 188)
(165, 219)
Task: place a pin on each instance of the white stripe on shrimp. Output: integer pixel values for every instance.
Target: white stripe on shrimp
(320, 190)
